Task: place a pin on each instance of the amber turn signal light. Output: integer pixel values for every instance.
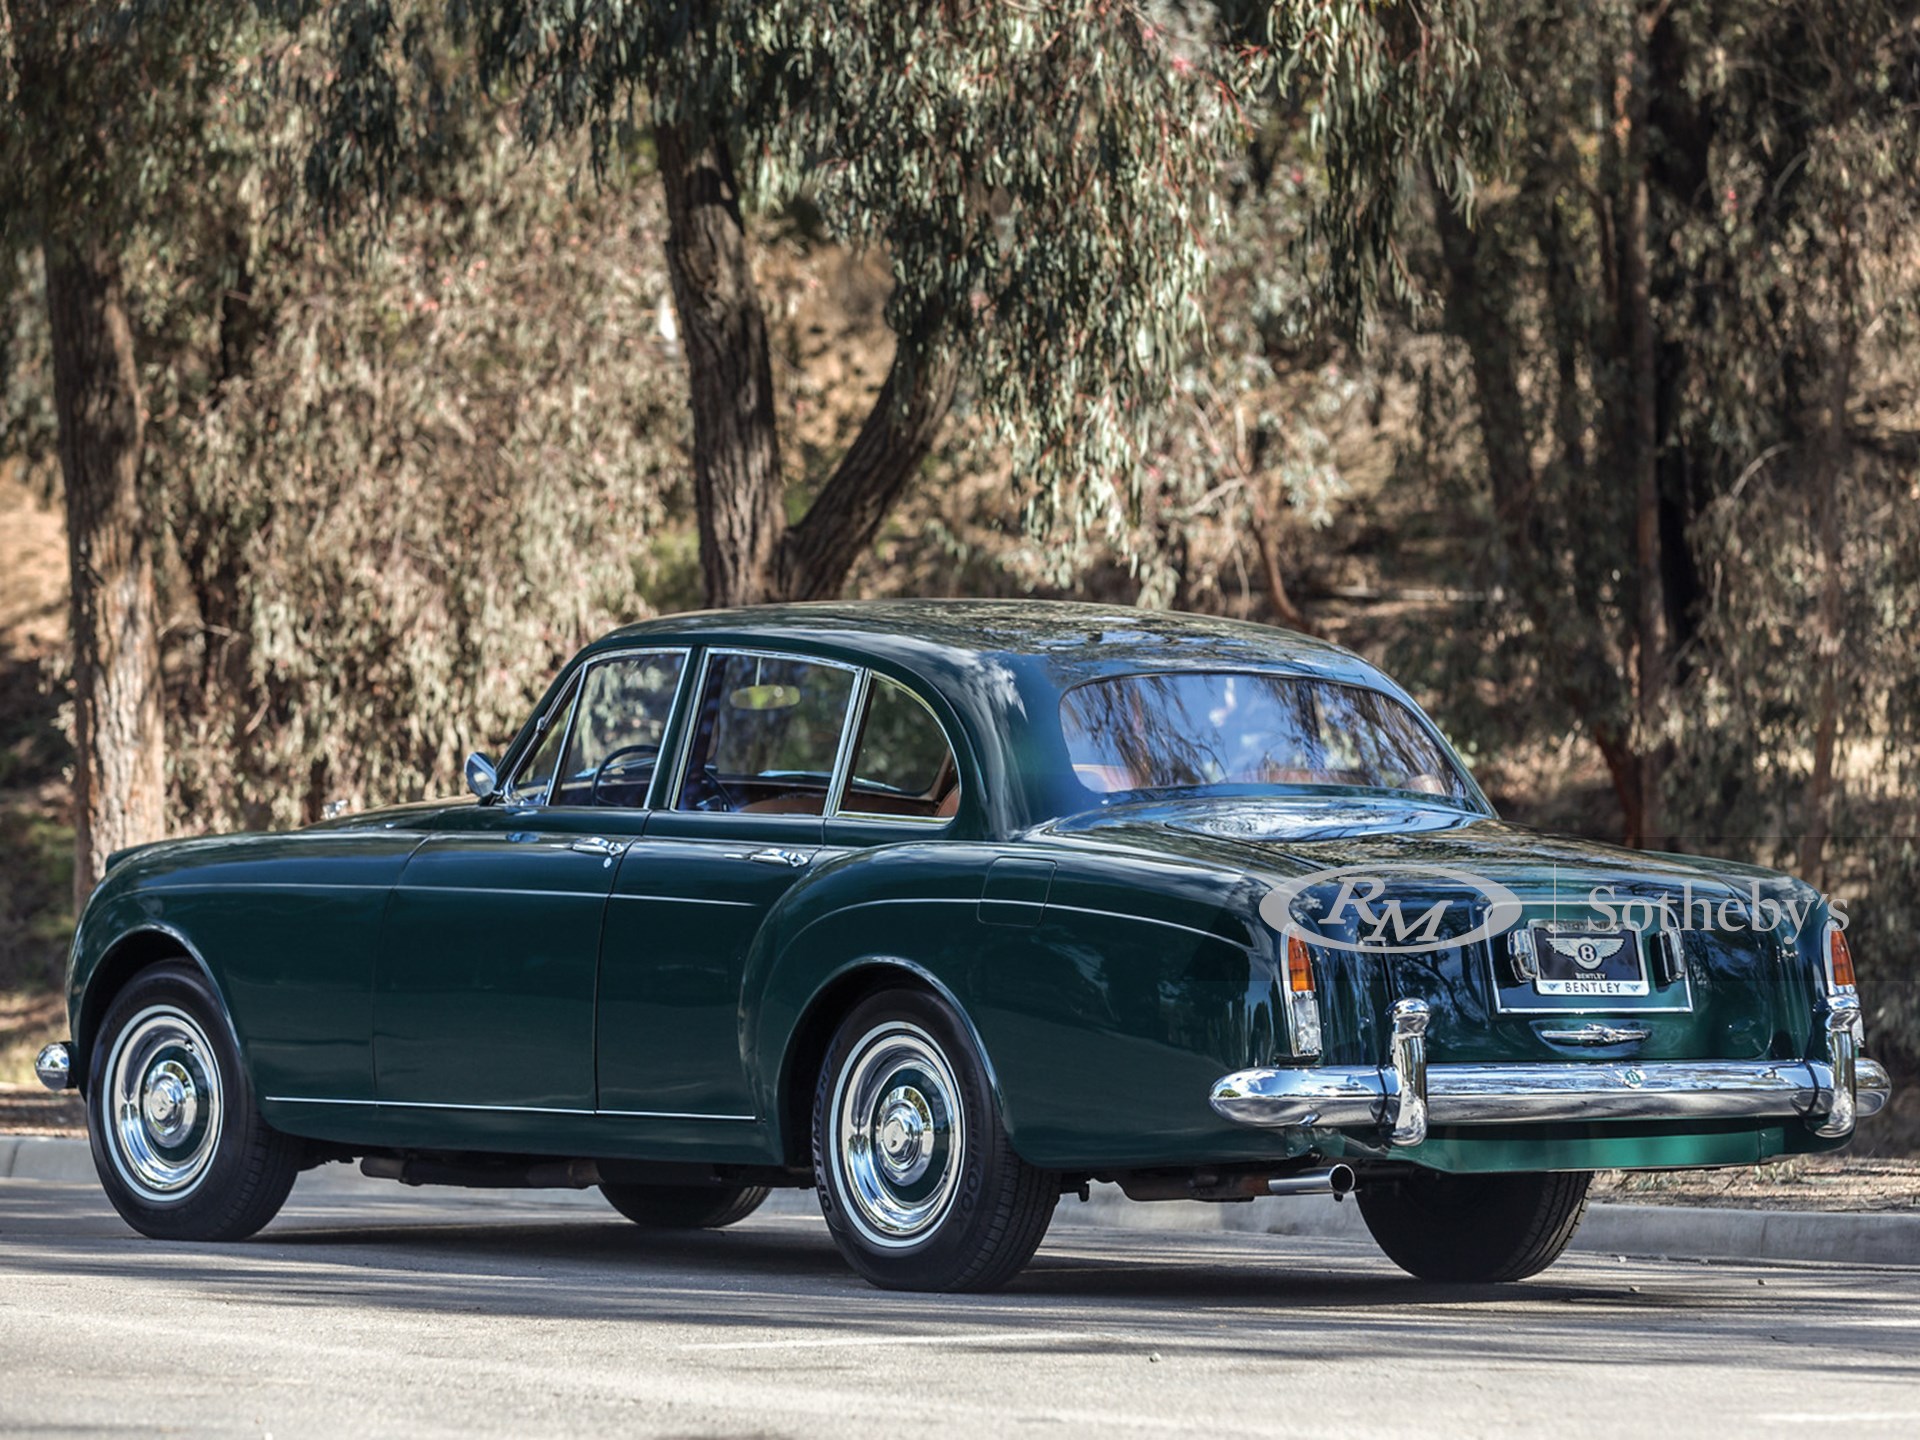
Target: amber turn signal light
(1839, 959)
(1300, 966)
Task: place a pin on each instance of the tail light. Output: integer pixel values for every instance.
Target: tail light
(1839, 962)
(1303, 1009)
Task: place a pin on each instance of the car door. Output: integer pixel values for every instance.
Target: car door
(491, 944)
(739, 824)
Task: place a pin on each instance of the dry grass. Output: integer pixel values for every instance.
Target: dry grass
(28, 1020)
(1840, 1183)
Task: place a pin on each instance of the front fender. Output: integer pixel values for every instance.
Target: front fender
(121, 932)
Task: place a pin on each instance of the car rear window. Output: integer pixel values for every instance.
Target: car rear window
(1200, 730)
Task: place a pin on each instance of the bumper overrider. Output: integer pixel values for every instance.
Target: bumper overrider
(1405, 1095)
(54, 1067)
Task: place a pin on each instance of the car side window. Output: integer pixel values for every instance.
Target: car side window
(621, 719)
(903, 767)
(534, 780)
(766, 735)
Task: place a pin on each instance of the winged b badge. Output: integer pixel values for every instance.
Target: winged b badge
(1588, 954)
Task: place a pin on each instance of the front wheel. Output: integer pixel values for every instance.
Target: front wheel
(179, 1143)
(1476, 1229)
(918, 1181)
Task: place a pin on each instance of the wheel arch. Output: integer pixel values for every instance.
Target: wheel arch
(128, 955)
(832, 1000)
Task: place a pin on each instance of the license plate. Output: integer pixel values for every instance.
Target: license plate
(1588, 962)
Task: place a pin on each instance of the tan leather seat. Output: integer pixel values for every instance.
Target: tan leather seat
(799, 803)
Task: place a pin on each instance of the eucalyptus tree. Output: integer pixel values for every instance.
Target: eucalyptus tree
(100, 103)
(1663, 308)
(1043, 179)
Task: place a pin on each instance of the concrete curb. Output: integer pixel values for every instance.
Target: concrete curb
(45, 1157)
(1673, 1231)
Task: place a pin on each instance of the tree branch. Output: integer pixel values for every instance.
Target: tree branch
(816, 553)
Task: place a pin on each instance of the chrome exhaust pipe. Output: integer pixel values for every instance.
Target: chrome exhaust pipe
(1336, 1180)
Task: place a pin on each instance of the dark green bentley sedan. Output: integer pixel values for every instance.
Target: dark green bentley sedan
(946, 909)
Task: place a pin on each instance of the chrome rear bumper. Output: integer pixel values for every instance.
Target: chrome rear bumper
(1405, 1095)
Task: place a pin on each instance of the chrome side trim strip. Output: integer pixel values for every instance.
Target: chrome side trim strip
(1352, 1097)
(508, 1109)
(674, 1115)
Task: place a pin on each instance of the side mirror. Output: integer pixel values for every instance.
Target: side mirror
(482, 779)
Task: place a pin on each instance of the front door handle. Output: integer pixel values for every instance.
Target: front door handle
(594, 845)
(794, 858)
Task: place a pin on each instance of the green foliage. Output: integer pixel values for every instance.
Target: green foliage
(1778, 157)
(1396, 95)
(438, 474)
(110, 109)
(1044, 180)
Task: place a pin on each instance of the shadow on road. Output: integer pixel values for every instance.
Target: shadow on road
(1251, 1296)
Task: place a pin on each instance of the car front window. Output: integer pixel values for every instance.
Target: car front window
(1197, 731)
(625, 702)
(766, 736)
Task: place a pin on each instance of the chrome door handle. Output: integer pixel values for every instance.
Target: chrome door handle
(594, 845)
(795, 858)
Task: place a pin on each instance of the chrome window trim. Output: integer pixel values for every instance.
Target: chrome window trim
(579, 689)
(849, 732)
(685, 757)
(918, 822)
(509, 791)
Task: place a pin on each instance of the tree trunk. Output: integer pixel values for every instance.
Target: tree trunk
(748, 552)
(1268, 546)
(1480, 313)
(1679, 168)
(1829, 461)
(816, 554)
(1623, 772)
(119, 746)
(738, 494)
(1642, 447)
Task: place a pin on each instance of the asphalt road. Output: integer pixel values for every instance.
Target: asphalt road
(368, 1309)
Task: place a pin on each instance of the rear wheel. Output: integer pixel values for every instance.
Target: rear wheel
(918, 1180)
(177, 1138)
(685, 1207)
(1475, 1228)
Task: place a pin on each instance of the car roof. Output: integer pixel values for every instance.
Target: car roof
(996, 669)
(1067, 641)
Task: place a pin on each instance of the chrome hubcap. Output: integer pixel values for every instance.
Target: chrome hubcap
(900, 1134)
(163, 1104)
